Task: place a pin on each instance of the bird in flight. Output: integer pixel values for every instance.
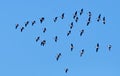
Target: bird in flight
(76, 19)
(81, 12)
(62, 17)
(99, 17)
(90, 14)
(75, 14)
(88, 23)
(55, 19)
(71, 25)
(109, 47)
(22, 29)
(82, 31)
(66, 70)
(71, 47)
(16, 26)
(56, 38)
(43, 42)
(82, 52)
(33, 22)
(58, 56)
(69, 32)
(26, 23)
(44, 30)
(104, 20)
(38, 38)
(42, 19)
(97, 47)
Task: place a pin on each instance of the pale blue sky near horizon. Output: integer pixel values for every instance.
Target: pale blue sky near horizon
(20, 55)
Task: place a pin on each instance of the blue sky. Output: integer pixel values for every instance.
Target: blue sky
(20, 55)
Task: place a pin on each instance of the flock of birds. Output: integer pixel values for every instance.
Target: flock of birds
(75, 17)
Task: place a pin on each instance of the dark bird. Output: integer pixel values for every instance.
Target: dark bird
(38, 38)
(62, 17)
(82, 52)
(16, 26)
(55, 19)
(97, 47)
(26, 23)
(76, 19)
(103, 20)
(66, 70)
(88, 23)
(43, 42)
(33, 23)
(89, 13)
(22, 29)
(99, 17)
(75, 14)
(82, 31)
(69, 32)
(56, 38)
(81, 12)
(71, 46)
(71, 25)
(42, 19)
(109, 47)
(58, 56)
(89, 19)
(44, 30)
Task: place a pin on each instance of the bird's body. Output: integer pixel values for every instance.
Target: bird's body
(82, 52)
(16, 26)
(33, 23)
(55, 19)
(99, 17)
(88, 23)
(71, 47)
(109, 47)
(82, 31)
(66, 70)
(71, 25)
(56, 38)
(43, 42)
(81, 12)
(90, 14)
(76, 19)
(26, 23)
(97, 47)
(69, 32)
(44, 30)
(42, 19)
(104, 20)
(62, 17)
(58, 56)
(38, 38)
(22, 29)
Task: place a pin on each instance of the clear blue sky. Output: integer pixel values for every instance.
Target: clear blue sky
(20, 55)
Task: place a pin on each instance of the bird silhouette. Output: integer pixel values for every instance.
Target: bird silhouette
(43, 42)
(26, 23)
(33, 22)
(58, 56)
(71, 47)
(76, 19)
(38, 38)
(88, 23)
(109, 47)
(71, 25)
(82, 31)
(90, 14)
(62, 17)
(89, 19)
(56, 38)
(82, 52)
(66, 70)
(55, 19)
(69, 32)
(42, 19)
(75, 14)
(104, 20)
(16, 26)
(44, 30)
(97, 47)
(99, 17)
(22, 29)
(81, 12)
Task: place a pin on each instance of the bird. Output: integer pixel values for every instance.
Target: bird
(33, 22)
(97, 47)
(44, 30)
(42, 19)
(71, 46)
(66, 70)
(89, 13)
(16, 26)
(89, 19)
(104, 20)
(98, 19)
(69, 32)
(71, 25)
(22, 29)
(38, 38)
(43, 42)
(58, 56)
(82, 31)
(75, 14)
(88, 23)
(81, 12)
(56, 38)
(26, 23)
(109, 47)
(62, 16)
(82, 52)
(76, 19)
(55, 19)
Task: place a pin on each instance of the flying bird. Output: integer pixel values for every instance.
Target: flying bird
(75, 14)
(71, 46)
(66, 70)
(82, 52)
(82, 31)
(103, 20)
(97, 47)
(22, 29)
(69, 32)
(55, 19)
(89, 13)
(62, 17)
(16, 26)
(26, 23)
(81, 12)
(58, 56)
(56, 38)
(71, 25)
(76, 19)
(109, 47)
(42, 19)
(33, 22)
(88, 23)
(44, 30)
(38, 38)
(89, 19)
(99, 17)
(43, 42)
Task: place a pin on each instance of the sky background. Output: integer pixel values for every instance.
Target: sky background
(20, 55)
